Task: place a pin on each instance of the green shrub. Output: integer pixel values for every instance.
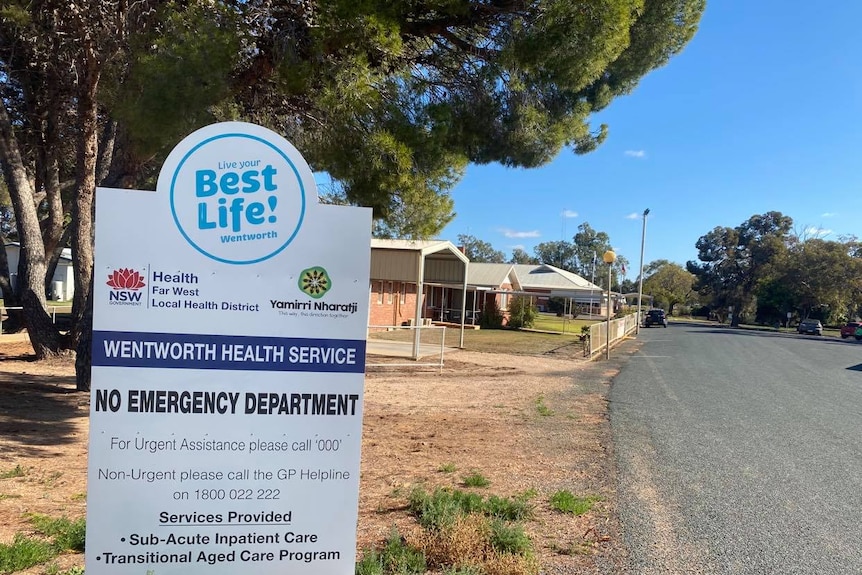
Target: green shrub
(435, 510)
(67, 535)
(475, 479)
(370, 564)
(492, 317)
(566, 502)
(508, 508)
(16, 471)
(542, 408)
(521, 313)
(442, 507)
(510, 538)
(398, 557)
(466, 534)
(24, 552)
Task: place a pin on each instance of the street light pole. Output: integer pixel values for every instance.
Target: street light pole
(641, 275)
(609, 258)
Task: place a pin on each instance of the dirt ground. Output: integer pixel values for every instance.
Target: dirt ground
(524, 422)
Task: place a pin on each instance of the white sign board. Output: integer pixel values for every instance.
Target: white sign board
(230, 315)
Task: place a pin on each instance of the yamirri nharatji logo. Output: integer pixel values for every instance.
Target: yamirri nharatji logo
(315, 282)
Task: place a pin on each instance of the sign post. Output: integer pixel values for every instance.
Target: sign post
(230, 315)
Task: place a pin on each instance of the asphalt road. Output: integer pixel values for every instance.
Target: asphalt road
(740, 452)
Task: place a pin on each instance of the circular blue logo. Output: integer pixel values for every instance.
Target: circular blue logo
(237, 198)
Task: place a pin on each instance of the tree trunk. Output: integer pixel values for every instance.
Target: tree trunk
(84, 350)
(82, 209)
(44, 337)
(734, 321)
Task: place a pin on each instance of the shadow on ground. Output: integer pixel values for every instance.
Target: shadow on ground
(38, 412)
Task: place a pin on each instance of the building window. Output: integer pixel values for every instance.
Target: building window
(403, 293)
(389, 293)
(379, 292)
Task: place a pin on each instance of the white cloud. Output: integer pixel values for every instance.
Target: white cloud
(817, 232)
(635, 153)
(828, 215)
(633, 216)
(569, 214)
(515, 234)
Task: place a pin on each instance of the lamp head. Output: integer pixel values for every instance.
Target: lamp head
(609, 257)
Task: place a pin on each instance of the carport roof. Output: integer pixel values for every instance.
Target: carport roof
(418, 261)
(425, 247)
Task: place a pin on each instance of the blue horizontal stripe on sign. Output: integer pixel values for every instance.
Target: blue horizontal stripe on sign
(200, 351)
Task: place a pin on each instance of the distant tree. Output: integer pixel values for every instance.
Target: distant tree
(669, 284)
(480, 251)
(590, 244)
(519, 256)
(822, 279)
(735, 260)
(559, 254)
(775, 299)
(655, 265)
(628, 286)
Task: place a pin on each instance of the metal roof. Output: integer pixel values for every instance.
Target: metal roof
(548, 277)
(491, 275)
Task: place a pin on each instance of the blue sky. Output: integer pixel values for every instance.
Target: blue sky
(762, 111)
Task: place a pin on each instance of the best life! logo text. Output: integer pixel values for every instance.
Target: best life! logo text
(235, 210)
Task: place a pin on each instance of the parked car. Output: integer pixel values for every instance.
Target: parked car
(858, 334)
(811, 326)
(655, 317)
(849, 329)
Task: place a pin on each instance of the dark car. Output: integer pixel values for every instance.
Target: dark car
(812, 326)
(655, 317)
(849, 329)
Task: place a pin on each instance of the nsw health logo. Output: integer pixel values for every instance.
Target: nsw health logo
(125, 284)
(237, 196)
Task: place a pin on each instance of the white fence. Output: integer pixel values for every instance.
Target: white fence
(52, 309)
(619, 328)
